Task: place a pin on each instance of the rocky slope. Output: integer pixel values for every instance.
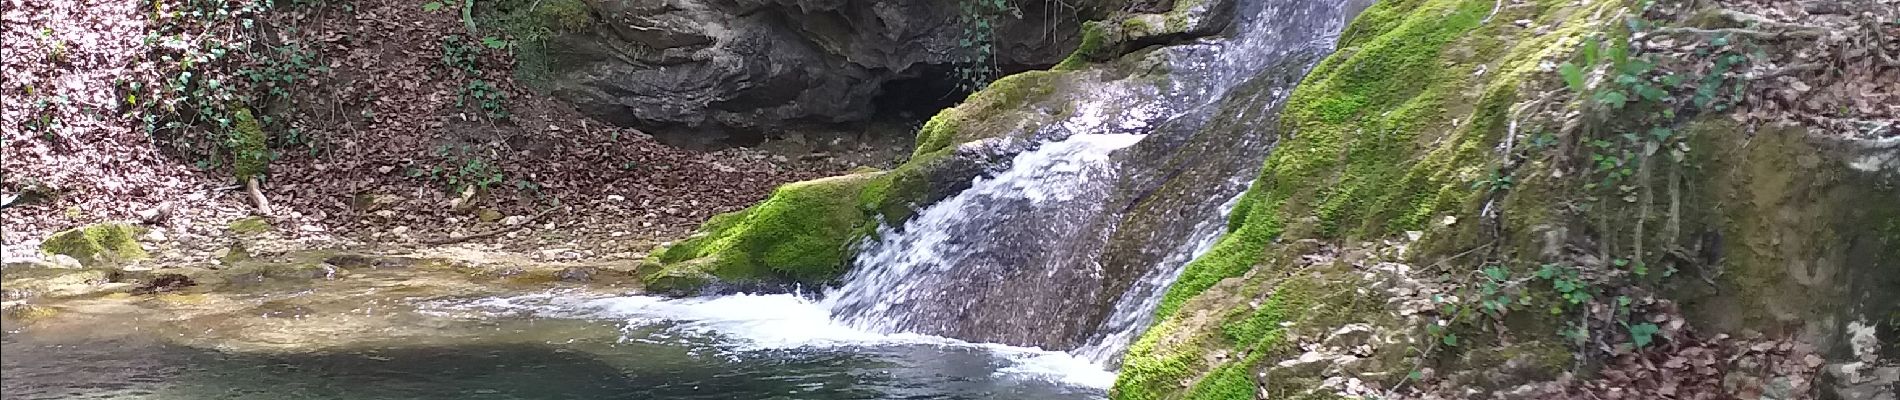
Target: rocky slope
(1516, 199)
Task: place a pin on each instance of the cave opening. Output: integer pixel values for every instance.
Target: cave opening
(920, 95)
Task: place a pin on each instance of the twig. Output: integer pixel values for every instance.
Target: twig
(1791, 70)
(491, 233)
(1803, 33)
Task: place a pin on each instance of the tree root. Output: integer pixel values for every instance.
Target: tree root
(257, 196)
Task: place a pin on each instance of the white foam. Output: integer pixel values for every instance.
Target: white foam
(780, 321)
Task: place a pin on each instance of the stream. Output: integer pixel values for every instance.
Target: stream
(554, 345)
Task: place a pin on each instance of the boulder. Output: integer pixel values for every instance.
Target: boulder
(701, 72)
(98, 244)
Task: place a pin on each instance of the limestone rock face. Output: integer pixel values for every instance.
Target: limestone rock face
(705, 72)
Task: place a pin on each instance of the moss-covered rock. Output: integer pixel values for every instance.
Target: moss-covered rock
(799, 235)
(1383, 137)
(250, 226)
(986, 113)
(249, 146)
(98, 244)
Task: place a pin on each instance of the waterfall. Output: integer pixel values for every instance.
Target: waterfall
(1136, 308)
(1072, 245)
(1042, 254)
(978, 257)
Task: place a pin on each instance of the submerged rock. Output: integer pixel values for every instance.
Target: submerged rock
(28, 282)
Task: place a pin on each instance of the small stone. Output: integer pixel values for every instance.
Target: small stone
(578, 274)
(399, 230)
(386, 214)
(513, 220)
(156, 235)
(385, 169)
(1522, 23)
(615, 197)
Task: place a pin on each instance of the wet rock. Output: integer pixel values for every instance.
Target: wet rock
(578, 274)
(22, 283)
(358, 261)
(165, 283)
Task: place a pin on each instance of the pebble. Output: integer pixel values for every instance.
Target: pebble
(155, 235)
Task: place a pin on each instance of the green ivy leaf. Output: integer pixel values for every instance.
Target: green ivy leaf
(1573, 76)
(1643, 334)
(1615, 99)
(432, 6)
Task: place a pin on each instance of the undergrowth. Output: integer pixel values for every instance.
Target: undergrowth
(222, 80)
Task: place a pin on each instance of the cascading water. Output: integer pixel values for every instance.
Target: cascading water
(1069, 245)
(1038, 254)
(1136, 308)
(985, 248)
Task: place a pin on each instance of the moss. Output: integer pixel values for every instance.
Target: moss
(250, 226)
(1384, 136)
(97, 244)
(1094, 45)
(563, 15)
(966, 121)
(798, 235)
(1136, 26)
(1177, 18)
(249, 146)
(29, 312)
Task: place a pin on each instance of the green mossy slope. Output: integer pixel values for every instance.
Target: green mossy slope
(1385, 136)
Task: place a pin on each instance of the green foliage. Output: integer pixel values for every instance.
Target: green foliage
(220, 81)
(1641, 335)
(526, 26)
(463, 167)
(460, 55)
(1641, 103)
(978, 20)
(491, 100)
